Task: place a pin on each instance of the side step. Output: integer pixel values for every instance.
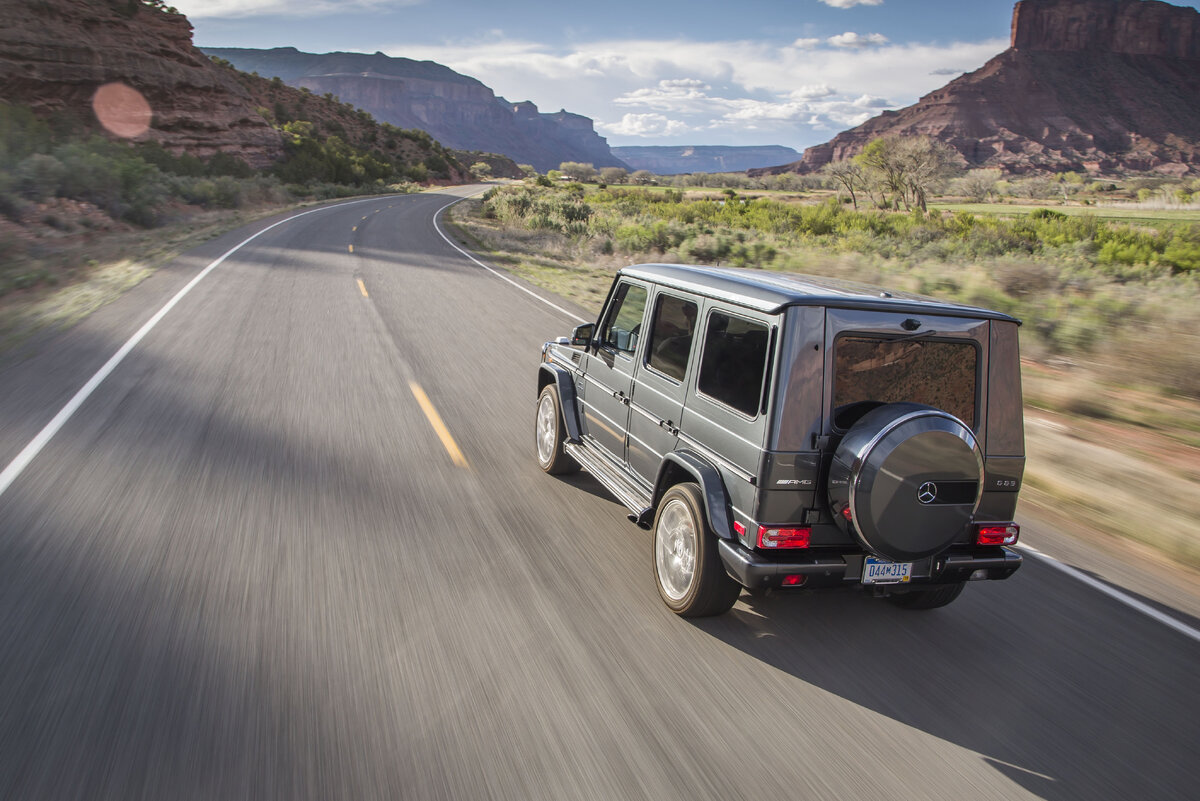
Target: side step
(636, 499)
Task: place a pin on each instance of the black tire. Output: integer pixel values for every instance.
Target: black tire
(928, 599)
(549, 435)
(687, 567)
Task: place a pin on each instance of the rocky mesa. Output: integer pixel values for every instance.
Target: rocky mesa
(1101, 85)
(54, 55)
(457, 110)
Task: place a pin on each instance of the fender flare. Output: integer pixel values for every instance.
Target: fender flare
(712, 487)
(567, 401)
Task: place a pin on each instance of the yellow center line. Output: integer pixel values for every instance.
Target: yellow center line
(362, 288)
(439, 427)
(351, 248)
(355, 228)
(365, 216)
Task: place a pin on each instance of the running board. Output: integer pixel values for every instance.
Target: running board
(636, 499)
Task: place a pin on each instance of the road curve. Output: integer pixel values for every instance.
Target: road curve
(296, 546)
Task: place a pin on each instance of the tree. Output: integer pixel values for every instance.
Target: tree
(642, 177)
(907, 168)
(481, 171)
(577, 171)
(613, 175)
(978, 184)
(849, 174)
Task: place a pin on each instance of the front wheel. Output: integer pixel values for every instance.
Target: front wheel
(928, 599)
(687, 568)
(548, 430)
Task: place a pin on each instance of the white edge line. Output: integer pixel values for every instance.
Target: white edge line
(1115, 594)
(35, 446)
(496, 273)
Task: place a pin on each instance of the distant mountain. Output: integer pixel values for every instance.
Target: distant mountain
(1103, 85)
(455, 109)
(703, 158)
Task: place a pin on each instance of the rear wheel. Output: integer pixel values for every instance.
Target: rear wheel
(928, 599)
(687, 568)
(548, 431)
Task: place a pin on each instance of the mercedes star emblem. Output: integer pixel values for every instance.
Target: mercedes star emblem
(927, 492)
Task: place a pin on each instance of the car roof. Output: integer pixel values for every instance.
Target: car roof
(770, 291)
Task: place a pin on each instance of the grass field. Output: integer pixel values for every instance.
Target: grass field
(1113, 213)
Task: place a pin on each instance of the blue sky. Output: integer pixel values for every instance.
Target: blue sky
(750, 72)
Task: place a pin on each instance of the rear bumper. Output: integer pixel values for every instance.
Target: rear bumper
(759, 571)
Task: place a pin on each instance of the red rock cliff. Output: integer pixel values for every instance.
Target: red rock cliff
(54, 54)
(1133, 27)
(1097, 84)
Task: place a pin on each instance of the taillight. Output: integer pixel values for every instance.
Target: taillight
(997, 534)
(783, 537)
(796, 580)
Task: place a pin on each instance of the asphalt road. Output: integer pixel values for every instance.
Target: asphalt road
(250, 567)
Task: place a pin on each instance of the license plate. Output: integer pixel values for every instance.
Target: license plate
(881, 571)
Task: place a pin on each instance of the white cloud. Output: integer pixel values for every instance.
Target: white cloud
(644, 125)
(812, 92)
(665, 88)
(866, 101)
(806, 44)
(678, 95)
(852, 3)
(199, 9)
(857, 40)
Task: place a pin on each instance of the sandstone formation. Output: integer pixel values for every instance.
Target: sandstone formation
(54, 55)
(665, 160)
(1101, 85)
(455, 109)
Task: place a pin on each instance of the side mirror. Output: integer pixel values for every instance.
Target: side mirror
(582, 335)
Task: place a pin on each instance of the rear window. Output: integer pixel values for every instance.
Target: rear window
(869, 372)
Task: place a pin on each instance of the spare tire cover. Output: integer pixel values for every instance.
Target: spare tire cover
(910, 476)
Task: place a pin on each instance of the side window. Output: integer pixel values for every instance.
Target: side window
(623, 324)
(734, 362)
(671, 335)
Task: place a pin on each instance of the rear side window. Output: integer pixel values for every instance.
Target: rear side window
(869, 372)
(735, 362)
(624, 322)
(671, 335)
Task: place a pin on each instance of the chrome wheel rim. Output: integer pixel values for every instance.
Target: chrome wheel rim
(675, 549)
(546, 430)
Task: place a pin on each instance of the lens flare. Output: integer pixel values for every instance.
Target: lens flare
(122, 110)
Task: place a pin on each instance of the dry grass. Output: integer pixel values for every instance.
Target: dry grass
(93, 272)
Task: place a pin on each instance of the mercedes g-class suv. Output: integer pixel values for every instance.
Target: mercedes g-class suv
(784, 432)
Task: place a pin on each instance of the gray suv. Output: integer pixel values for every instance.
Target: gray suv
(781, 432)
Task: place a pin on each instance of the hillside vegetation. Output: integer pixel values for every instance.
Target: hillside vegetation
(72, 200)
